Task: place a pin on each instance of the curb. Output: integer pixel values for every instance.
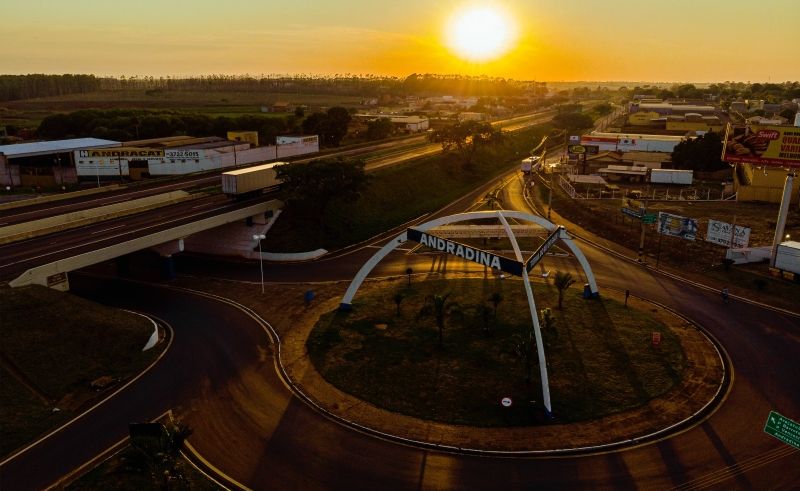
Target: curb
(703, 413)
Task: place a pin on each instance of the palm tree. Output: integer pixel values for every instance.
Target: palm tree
(496, 298)
(398, 299)
(523, 349)
(562, 281)
(441, 307)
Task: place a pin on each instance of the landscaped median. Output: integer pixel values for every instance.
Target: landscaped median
(609, 382)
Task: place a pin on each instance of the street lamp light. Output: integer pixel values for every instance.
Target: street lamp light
(259, 238)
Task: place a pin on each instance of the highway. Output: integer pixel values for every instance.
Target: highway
(20, 256)
(220, 373)
(23, 255)
(376, 156)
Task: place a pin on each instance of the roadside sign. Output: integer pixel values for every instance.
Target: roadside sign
(649, 218)
(576, 149)
(463, 251)
(656, 338)
(592, 149)
(506, 402)
(783, 428)
(632, 213)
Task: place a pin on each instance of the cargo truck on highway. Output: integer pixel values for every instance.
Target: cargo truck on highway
(252, 180)
(787, 259)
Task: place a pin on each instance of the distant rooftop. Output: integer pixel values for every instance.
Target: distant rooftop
(55, 146)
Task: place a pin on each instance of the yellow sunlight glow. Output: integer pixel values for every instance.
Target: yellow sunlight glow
(480, 33)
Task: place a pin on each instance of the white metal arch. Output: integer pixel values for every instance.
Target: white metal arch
(368, 266)
(501, 215)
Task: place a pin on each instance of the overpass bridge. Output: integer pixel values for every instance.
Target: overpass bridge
(45, 261)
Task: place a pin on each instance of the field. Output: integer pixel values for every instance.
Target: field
(30, 112)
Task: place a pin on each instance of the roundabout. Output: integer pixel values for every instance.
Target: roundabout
(433, 408)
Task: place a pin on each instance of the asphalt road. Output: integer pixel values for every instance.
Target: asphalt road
(220, 368)
(23, 255)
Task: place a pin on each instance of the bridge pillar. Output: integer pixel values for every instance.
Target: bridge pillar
(167, 268)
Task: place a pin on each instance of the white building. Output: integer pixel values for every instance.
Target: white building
(620, 142)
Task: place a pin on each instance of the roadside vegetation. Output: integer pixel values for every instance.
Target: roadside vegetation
(400, 193)
(58, 353)
(449, 350)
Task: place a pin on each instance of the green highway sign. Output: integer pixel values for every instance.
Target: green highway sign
(783, 428)
(649, 218)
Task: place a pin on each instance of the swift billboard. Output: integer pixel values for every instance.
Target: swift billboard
(762, 145)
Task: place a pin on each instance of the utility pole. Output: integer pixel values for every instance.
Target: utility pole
(642, 212)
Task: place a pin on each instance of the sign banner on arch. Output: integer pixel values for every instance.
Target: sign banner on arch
(464, 251)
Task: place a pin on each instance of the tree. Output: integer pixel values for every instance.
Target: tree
(338, 120)
(398, 299)
(523, 349)
(316, 124)
(466, 137)
(313, 186)
(603, 109)
(699, 154)
(562, 281)
(440, 308)
(573, 121)
(496, 298)
(379, 129)
(331, 126)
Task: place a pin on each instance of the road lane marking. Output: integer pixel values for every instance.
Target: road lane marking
(107, 229)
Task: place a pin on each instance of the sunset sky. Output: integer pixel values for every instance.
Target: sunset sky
(631, 40)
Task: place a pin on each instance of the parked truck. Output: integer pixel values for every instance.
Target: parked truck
(671, 176)
(530, 164)
(251, 180)
(787, 258)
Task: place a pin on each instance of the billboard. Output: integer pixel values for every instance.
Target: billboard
(762, 145)
(720, 233)
(677, 226)
(120, 152)
(580, 149)
(250, 137)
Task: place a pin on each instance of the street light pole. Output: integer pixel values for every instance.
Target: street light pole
(259, 238)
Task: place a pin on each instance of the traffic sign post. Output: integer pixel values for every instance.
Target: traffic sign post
(649, 219)
(783, 428)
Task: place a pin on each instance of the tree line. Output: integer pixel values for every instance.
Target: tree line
(131, 124)
(17, 87)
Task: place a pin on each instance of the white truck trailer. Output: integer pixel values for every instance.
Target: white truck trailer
(250, 180)
(788, 257)
(671, 176)
(530, 164)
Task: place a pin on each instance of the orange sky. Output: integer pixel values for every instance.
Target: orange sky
(678, 40)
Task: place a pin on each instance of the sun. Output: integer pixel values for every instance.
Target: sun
(480, 33)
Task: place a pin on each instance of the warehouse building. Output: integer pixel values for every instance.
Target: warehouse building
(44, 164)
(183, 155)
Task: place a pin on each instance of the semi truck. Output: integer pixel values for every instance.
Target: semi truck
(251, 180)
(671, 176)
(787, 258)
